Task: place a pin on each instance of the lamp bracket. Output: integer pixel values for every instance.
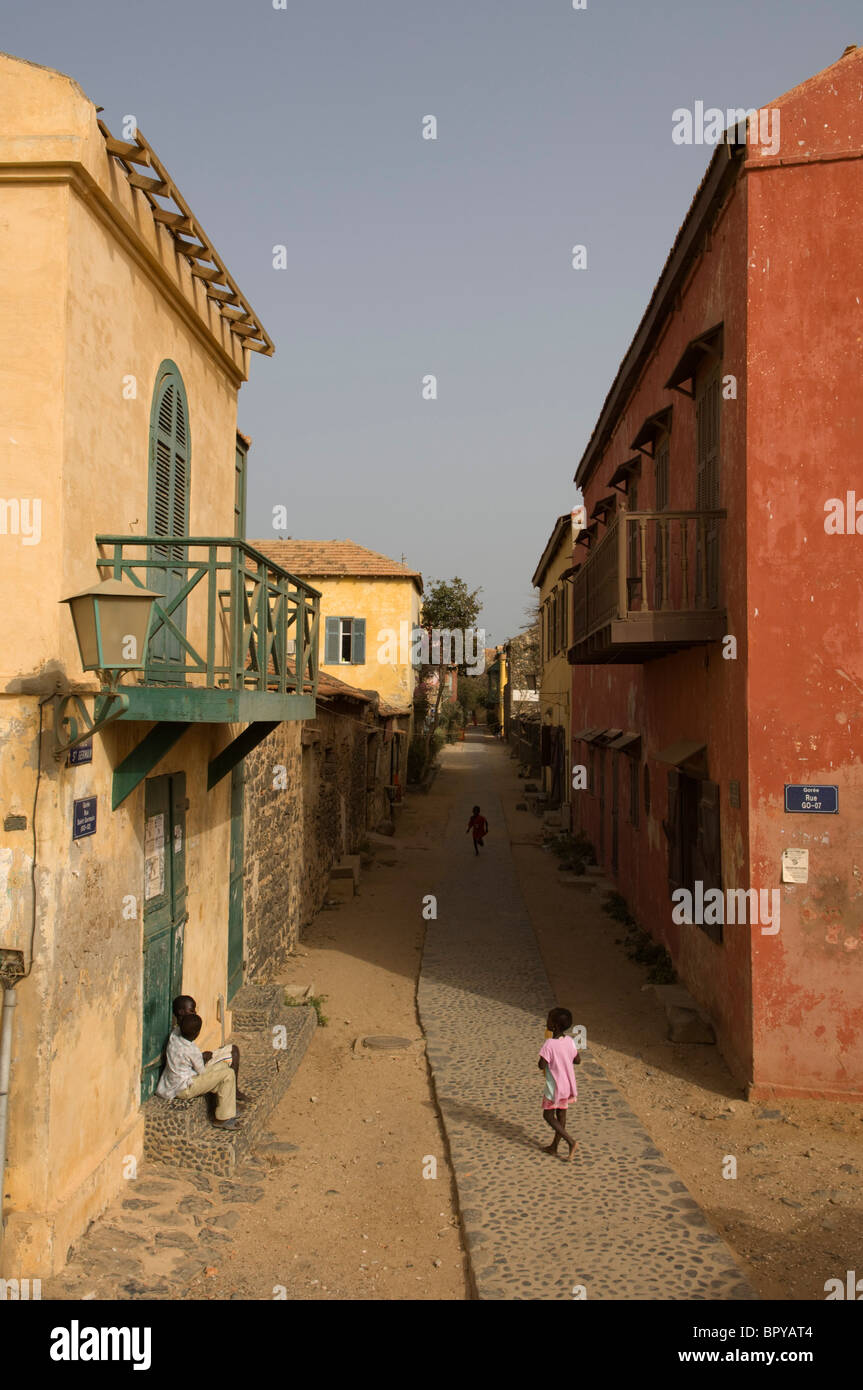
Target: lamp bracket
(112, 704)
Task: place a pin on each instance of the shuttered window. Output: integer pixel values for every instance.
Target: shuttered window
(168, 504)
(169, 456)
(633, 791)
(661, 542)
(707, 471)
(345, 642)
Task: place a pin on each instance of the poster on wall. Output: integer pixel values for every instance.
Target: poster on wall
(154, 857)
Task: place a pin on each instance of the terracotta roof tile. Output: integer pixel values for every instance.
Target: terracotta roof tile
(331, 559)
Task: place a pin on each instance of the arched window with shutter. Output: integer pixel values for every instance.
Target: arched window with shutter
(168, 512)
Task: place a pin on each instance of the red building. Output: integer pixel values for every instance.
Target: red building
(717, 603)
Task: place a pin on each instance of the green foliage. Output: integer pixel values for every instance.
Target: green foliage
(617, 907)
(450, 605)
(643, 950)
(314, 1001)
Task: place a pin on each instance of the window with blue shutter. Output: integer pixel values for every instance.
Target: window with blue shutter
(345, 642)
(331, 647)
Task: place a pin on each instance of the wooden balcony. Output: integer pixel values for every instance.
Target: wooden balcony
(651, 585)
(234, 640)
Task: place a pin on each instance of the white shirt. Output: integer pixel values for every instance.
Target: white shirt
(183, 1062)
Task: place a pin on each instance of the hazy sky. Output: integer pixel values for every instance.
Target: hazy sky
(302, 126)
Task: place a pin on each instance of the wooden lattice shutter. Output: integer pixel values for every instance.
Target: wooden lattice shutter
(708, 847)
(168, 506)
(707, 488)
(661, 544)
(358, 642)
(674, 832)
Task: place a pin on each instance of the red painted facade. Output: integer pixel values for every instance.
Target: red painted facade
(771, 252)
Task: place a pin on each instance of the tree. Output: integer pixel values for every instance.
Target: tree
(448, 608)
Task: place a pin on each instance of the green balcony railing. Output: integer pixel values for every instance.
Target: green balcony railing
(229, 620)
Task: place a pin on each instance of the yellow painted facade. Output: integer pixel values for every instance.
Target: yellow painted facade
(95, 298)
(389, 606)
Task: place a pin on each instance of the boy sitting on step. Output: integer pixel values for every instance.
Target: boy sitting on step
(186, 1075)
(185, 1004)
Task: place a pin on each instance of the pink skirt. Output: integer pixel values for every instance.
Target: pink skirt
(559, 1104)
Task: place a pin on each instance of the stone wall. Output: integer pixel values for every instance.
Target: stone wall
(313, 790)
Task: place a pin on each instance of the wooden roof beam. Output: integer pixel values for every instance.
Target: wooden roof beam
(208, 272)
(133, 154)
(224, 296)
(149, 185)
(176, 221)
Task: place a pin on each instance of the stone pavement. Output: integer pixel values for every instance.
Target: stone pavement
(616, 1220)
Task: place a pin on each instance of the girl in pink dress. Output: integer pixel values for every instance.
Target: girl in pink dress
(557, 1058)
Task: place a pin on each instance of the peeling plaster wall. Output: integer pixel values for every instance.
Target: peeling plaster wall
(805, 440)
(692, 694)
(105, 299)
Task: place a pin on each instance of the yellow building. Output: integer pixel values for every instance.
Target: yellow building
(370, 606)
(555, 596)
(124, 345)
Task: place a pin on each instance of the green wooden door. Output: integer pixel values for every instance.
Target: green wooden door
(168, 515)
(235, 891)
(164, 915)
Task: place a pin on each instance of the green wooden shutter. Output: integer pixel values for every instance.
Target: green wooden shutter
(158, 931)
(358, 644)
(168, 500)
(331, 648)
(241, 457)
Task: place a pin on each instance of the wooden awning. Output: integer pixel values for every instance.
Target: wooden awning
(206, 263)
(624, 473)
(590, 735)
(684, 753)
(707, 344)
(588, 535)
(629, 743)
(603, 506)
(655, 425)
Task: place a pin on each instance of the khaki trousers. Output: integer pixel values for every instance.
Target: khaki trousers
(218, 1077)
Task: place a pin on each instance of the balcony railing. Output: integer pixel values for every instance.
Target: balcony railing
(651, 585)
(230, 623)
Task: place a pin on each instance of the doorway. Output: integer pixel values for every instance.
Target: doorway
(165, 915)
(235, 882)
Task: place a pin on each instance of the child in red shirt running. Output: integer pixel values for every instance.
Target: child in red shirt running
(479, 825)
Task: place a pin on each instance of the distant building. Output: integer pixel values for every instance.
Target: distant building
(551, 579)
(370, 606)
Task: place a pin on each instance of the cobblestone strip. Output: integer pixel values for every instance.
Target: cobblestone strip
(617, 1220)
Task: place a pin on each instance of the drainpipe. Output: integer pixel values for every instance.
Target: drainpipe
(11, 971)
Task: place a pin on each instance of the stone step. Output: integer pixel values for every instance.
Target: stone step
(687, 1021)
(341, 886)
(179, 1133)
(352, 862)
(581, 881)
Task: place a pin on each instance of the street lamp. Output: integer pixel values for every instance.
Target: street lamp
(112, 626)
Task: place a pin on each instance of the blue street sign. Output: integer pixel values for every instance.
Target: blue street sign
(824, 800)
(82, 754)
(84, 817)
